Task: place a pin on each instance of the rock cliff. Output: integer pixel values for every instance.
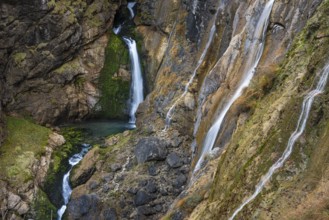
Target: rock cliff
(51, 56)
(195, 55)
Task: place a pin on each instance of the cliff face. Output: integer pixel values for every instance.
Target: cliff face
(195, 55)
(51, 56)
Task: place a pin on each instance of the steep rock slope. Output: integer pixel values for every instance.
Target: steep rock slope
(298, 190)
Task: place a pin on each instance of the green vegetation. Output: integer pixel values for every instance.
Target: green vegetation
(25, 142)
(114, 90)
(44, 209)
(19, 58)
(253, 152)
(59, 157)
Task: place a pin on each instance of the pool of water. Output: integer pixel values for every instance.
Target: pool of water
(102, 128)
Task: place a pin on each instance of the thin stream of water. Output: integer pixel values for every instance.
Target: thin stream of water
(301, 124)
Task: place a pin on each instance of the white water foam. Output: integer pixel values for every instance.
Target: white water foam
(66, 188)
(130, 7)
(136, 91)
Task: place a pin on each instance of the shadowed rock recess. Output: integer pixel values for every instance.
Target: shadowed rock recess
(60, 62)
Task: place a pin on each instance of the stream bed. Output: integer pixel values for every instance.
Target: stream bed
(94, 132)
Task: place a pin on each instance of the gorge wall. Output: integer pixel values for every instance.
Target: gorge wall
(52, 53)
(52, 63)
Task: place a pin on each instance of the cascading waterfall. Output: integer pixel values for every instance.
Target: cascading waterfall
(301, 124)
(66, 188)
(255, 53)
(137, 95)
(202, 57)
(137, 87)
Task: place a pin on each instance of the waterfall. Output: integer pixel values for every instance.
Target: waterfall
(306, 107)
(136, 90)
(202, 57)
(130, 7)
(255, 53)
(66, 188)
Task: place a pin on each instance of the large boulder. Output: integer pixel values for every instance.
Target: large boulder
(149, 149)
(84, 207)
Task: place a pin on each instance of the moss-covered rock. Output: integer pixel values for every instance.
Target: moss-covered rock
(43, 208)
(114, 90)
(25, 143)
(59, 164)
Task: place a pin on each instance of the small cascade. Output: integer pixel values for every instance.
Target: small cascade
(255, 53)
(66, 188)
(202, 57)
(301, 124)
(137, 94)
(194, 6)
(116, 30)
(130, 7)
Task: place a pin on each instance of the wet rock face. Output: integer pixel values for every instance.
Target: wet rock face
(52, 53)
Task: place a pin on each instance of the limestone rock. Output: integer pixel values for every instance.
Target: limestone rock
(115, 167)
(112, 140)
(82, 173)
(56, 140)
(13, 200)
(84, 207)
(148, 149)
(142, 198)
(174, 160)
(189, 101)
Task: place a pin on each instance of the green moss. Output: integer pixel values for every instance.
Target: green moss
(19, 58)
(71, 66)
(114, 91)
(59, 163)
(25, 142)
(43, 208)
